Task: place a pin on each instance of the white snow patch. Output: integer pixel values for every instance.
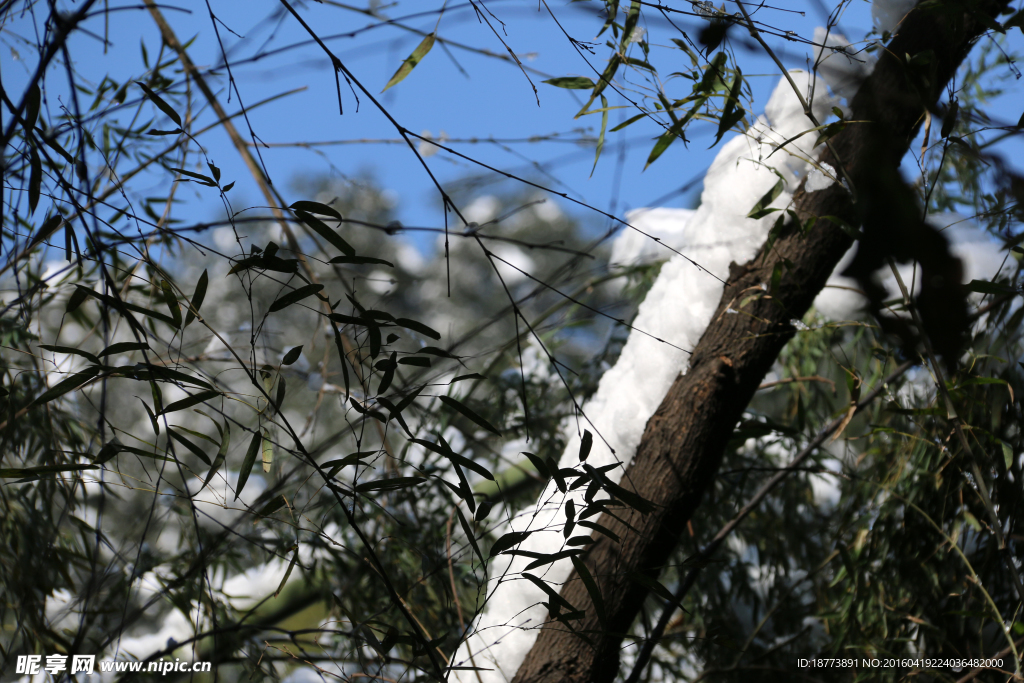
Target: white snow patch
(630, 392)
(632, 247)
(820, 178)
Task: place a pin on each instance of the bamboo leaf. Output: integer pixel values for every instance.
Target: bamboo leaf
(507, 541)
(70, 384)
(294, 296)
(469, 413)
(190, 401)
(197, 298)
(247, 464)
(316, 207)
(184, 441)
(321, 228)
(159, 102)
(571, 82)
(417, 327)
(759, 209)
(411, 61)
(292, 355)
(591, 586)
(393, 484)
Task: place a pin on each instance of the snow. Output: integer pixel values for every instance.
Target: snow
(842, 65)
(820, 178)
(678, 308)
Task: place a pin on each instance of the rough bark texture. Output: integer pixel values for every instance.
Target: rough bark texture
(683, 443)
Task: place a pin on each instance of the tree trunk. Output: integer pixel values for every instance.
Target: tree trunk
(683, 442)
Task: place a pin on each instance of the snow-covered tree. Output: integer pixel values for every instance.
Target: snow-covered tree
(550, 442)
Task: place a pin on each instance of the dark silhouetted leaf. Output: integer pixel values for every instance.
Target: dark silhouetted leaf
(417, 327)
(322, 229)
(190, 401)
(393, 484)
(542, 468)
(197, 298)
(468, 413)
(586, 443)
(13, 472)
(247, 464)
(71, 350)
(361, 260)
(292, 355)
(69, 384)
(294, 296)
(591, 586)
(159, 102)
(507, 541)
(123, 347)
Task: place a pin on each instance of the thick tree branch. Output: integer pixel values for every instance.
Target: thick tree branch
(683, 443)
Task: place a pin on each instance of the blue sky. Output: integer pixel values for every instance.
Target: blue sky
(464, 94)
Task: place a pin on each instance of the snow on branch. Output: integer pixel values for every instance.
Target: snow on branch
(677, 309)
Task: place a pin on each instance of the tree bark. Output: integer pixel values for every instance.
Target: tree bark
(683, 442)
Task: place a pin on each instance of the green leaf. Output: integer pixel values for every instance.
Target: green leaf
(1007, 454)
(70, 384)
(316, 207)
(732, 113)
(190, 401)
(159, 102)
(600, 138)
(197, 298)
(760, 209)
(393, 484)
(469, 413)
(507, 541)
(294, 296)
(321, 228)
(292, 355)
(247, 464)
(411, 61)
(417, 327)
(571, 82)
(416, 361)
